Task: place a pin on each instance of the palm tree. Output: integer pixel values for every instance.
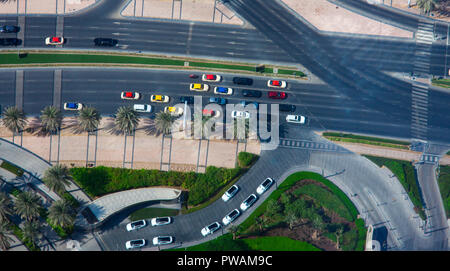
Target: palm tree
(338, 233)
(31, 231)
(201, 130)
(318, 225)
(290, 219)
(273, 208)
(51, 118)
(234, 230)
(14, 119)
(27, 205)
(163, 122)
(426, 6)
(5, 238)
(88, 119)
(260, 222)
(126, 119)
(57, 178)
(5, 208)
(61, 213)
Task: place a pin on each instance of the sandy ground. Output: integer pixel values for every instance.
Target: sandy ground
(328, 17)
(113, 150)
(192, 10)
(43, 6)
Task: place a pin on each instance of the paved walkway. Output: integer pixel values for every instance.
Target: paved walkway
(43, 6)
(105, 206)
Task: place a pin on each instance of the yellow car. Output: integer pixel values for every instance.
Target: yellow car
(198, 87)
(159, 99)
(174, 111)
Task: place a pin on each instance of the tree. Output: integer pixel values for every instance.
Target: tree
(5, 208)
(426, 6)
(338, 233)
(163, 122)
(318, 225)
(57, 177)
(273, 208)
(290, 219)
(260, 222)
(234, 230)
(27, 205)
(32, 231)
(14, 119)
(201, 130)
(51, 118)
(61, 214)
(88, 119)
(126, 120)
(5, 238)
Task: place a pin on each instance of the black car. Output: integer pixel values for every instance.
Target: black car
(9, 41)
(287, 107)
(105, 42)
(188, 99)
(251, 93)
(242, 81)
(9, 29)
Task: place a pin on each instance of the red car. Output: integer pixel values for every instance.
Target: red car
(277, 95)
(193, 76)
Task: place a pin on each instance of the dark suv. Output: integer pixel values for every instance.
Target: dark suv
(251, 93)
(287, 107)
(105, 42)
(188, 99)
(9, 29)
(242, 81)
(9, 41)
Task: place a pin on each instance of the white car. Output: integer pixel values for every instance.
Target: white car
(223, 91)
(295, 119)
(145, 108)
(159, 221)
(248, 202)
(230, 217)
(240, 114)
(129, 95)
(54, 40)
(162, 240)
(198, 87)
(73, 106)
(276, 84)
(173, 110)
(210, 229)
(211, 77)
(264, 186)
(230, 193)
(135, 225)
(135, 243)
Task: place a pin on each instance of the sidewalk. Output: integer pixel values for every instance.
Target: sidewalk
(43, 6)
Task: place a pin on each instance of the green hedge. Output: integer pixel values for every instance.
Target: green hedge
(101, 180)
(367, 138)
(444, 187)
(11, 168)
(245, 159)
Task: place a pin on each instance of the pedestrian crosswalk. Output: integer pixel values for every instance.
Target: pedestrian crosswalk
(311, 145)
(429, 158)
(419, 92)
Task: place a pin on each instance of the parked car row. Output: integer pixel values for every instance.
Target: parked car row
(158, 240)
(235, 213)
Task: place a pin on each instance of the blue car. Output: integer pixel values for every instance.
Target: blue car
(244, 103)
(9, 29)
(216, 100)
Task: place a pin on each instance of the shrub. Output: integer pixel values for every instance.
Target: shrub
(245, 159)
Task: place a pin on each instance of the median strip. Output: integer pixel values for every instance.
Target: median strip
(39, 58)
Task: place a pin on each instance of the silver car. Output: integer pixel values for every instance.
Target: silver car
(248, 202)
(159, 221)
(135, 243)
(230, 193)
(230, 217)
(135, 225)
(162, 240)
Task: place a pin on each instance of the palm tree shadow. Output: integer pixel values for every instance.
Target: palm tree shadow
(35, 128)
(112, 129)
(74, 126)
(149, 127)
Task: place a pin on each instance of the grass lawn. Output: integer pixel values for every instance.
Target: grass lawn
(146, 213)
(326, 199)
(405, 173)
(445, 83)
(384, 142)
(226, 243)
(444, 187)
